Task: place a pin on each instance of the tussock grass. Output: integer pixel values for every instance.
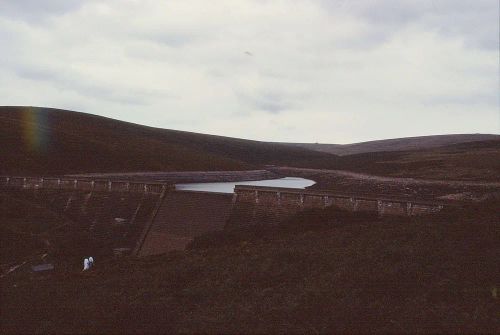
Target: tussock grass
(323, 272)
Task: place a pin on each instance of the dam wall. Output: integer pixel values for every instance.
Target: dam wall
(149, 218)
(114, 213)
(258, 204)
(182, 216)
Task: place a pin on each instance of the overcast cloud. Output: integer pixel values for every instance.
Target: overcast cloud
(335, 71)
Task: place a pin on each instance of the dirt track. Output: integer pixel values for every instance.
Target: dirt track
(184, 176)
(363, 176)
(346, 181)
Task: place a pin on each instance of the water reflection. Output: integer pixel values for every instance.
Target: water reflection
(228, 187)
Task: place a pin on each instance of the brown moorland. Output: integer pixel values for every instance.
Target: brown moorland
(45, 141)
(397, 144)
(475, 161)
(322, 272)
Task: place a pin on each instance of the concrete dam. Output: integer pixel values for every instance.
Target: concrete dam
(149, 218)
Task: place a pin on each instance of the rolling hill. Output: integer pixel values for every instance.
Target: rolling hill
(397, 144)
(45, 141)
(478, 160)
(49, 141)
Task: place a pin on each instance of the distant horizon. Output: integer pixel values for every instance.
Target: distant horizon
(251, 139)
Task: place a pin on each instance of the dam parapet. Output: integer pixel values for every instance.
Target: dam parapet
(180, 177)
(257, 204)
(82, 184)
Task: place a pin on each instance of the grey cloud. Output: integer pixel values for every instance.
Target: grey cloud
(474, 20)
(271, 106)
(165, 36)
(368, 40)
(172, 39)
(379, 11)
(470, 100)
(37, 10)
(267, 102)
(39, 74)
(74, 82)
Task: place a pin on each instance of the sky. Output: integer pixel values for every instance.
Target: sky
(327, 71)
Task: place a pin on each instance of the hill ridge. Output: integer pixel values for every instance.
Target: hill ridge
(396, 144)
(54, 141)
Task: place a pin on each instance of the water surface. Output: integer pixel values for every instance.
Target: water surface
(228, 187)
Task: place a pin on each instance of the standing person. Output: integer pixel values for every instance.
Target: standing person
(91, 261)
(86, 264)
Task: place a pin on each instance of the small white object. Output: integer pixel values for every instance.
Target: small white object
(86, 264)
(91, 261)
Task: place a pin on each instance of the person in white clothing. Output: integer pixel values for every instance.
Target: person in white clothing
(91, 261)
(86, 264)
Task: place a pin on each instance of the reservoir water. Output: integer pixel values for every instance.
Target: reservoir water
(228, 187)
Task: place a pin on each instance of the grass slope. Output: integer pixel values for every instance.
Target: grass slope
(324, 272)
(397, 144)
(51, 141)
(478, 161)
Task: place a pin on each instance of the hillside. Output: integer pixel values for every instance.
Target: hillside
(479, 160)
(322, 272)
(51, 141)
(396, 144)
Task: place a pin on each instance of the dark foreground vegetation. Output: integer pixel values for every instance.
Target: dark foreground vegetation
(322, 272)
